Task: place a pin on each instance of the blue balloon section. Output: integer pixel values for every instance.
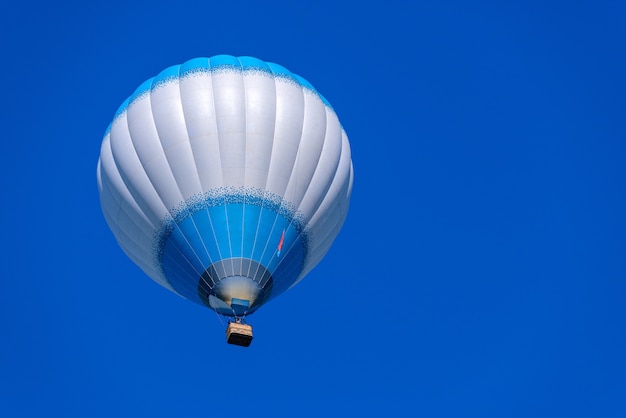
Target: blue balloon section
(224, 225)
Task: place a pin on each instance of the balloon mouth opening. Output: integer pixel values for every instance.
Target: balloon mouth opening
(235, 287)
(239, 292)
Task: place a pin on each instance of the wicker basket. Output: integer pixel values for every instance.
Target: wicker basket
(239, 334)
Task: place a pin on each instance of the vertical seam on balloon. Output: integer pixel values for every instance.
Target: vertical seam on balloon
(217, 138)
(140, 255)
(181, 283)
(281, 202)
(219, 250)
(294, 172)
(323, 240)
(182, 107)
(306, 258)
(127, 181)
(276, 213)
(124, 178)
(317, 162)
(105, 179)
(264, 191)
(312, 259)
(245, 143)
(190, 285)
(327, 186)
(219, 141)
(156, 128)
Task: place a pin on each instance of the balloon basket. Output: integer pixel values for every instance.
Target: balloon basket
(239, 334)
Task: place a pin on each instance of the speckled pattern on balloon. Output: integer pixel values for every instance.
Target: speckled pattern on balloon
(224, 196)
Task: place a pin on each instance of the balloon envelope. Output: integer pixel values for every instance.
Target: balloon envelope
(225, 180)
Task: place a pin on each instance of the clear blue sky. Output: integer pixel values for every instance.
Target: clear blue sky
(481, 271)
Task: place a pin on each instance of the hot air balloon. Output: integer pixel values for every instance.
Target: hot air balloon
(226, 180)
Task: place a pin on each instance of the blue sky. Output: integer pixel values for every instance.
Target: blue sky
(480, 272)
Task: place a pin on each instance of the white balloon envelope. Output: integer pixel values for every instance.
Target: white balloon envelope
(226, 180)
